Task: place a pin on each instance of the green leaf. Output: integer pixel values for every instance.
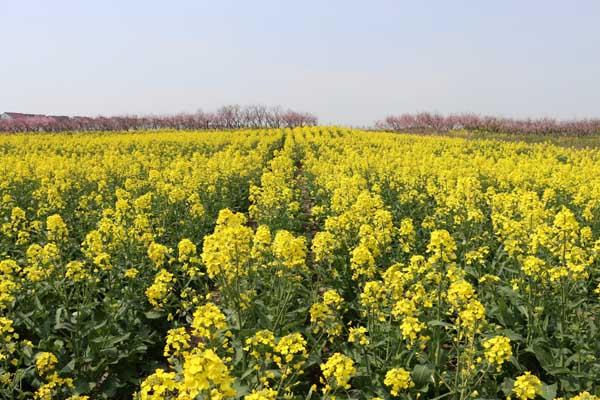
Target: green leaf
(507, 386)
(439, 323)
(512, 335)
(549, 391)
(542, 352)
(569, 383)
(153, 314)
(421, 374)
(118, 339)
(67, 369)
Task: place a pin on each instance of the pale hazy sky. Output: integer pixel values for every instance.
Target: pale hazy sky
(349, 62)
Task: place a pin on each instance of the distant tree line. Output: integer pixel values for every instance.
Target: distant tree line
(226, 117)
(431, 122)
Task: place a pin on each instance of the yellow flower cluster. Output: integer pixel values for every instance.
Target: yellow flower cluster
(276, 199)
(158, 386)
(202, 371)
(527, 386)
(226, 252)
(208, 319)
(158, 254)
(358, 335)
(261, 345)
(178, 341)
(77, 271)
(45, 363)
(261, 244)
(290, 251)
(290, 353)
(398, 379)
(188, 258)
(8, 282)
(337, 372)
(441, 247)
(8, 336)
(585, 396)
(263, 394)
(326, 315)
(55, 387)
(158, 292)
(497, 350)
(57, 229)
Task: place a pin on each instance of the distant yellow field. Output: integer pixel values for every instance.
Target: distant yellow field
(299, 263)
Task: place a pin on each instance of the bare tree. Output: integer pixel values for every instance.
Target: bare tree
(426, 122)
(226, 117)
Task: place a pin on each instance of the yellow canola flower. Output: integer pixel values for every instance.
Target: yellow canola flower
(411, 327)
(9, 267)
(489, 278)
(159, 291)
(534, 267)
(527, 386)
(178, 341)
(77, 272)
(472, 316)
(459, 293)
(325, 316)
(205, 372)
(45, 363)
(290, 353)
(497, 350)
(442, 247)
(131, 273)
(261, 345)
(158, 254)
(373, 299)
(158, 386)
(362, 263)
(407, 235)
(53, 387)
(289, 250)
(261, 242)
(208, 319)
(7, 331)
(186, 250)
(358, 335)
(8, 283)
(337, 372)
(57, 229)
(398, 380)
(226, 252)
(324, 245)
(263, 394)
(585, 396)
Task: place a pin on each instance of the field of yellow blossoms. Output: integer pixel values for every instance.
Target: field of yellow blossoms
(306, 263)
